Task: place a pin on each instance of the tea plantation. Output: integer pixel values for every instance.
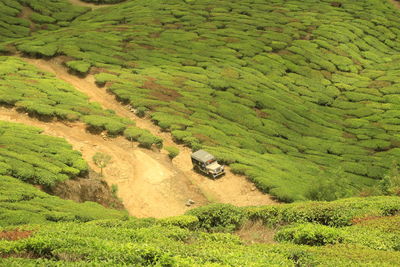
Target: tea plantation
(44, 96)
(288, 93)
(204, 238)
(29, 157)
(19, 18)
(301, 97)
(35, 158)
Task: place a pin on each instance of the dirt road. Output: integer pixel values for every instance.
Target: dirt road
(81, 3)
(147, 182)
(150, 184)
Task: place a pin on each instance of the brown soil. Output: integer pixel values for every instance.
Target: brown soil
(87, 189)
(255, 232)
(14, 235)
(149, 183)
(365, 219)
(25, 13)
(81, 3)
(396, 3)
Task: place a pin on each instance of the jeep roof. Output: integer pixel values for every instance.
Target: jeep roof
(202, 156)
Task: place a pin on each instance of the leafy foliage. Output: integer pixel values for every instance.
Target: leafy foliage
(288, 93)
(338, 213)
(35, 158)
(144, 137)
(81, 67)
(309, 234)
(172, 151)
(43, 95)
(218, 217)
(172, 241)
(101, 160)
(291, 95)
(21, 204)
(21, 17)
(390, 184)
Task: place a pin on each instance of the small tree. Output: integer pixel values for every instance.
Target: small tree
(172, 151)
(101, 160)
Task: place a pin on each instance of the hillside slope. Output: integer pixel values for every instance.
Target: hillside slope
(289, 93)
(202, 238)
(302, 97)
(149, 184)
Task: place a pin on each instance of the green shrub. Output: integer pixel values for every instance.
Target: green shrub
(133, 133)
(147, 140)
(218, 217)
(102, 78)
(183, 221)
(337, 213)
(41, 19)
(39, 159)
(78, 66)
(309, 234)
(25, 204)
(172, 151)
(264, 78)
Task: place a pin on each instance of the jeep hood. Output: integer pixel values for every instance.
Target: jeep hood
(213, 166)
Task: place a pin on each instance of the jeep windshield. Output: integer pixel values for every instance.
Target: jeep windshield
(208, 162)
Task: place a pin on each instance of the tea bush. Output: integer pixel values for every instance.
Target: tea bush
(172, 151)
(289, 94)
(144, 137)
(175, 240)
(338, 213)
(34, 16)
(81, 67)
(218, 217)
(35, 158)
(317, 88)
(22, 204)
(44, 96)
(309, 234)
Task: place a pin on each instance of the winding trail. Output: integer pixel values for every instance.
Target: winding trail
(81, 3)
(149, 183)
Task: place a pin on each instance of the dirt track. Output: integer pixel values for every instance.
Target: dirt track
(81, 3)
(147, 183)
(150, 184)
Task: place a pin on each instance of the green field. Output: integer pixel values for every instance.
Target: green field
(22, 17)
(184, 241)
(289, 94)
(35, 158)
(29, 157)
(300, 97)
(44, 96)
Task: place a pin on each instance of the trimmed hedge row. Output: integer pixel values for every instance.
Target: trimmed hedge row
(22, 17)
(175, 241)
(267, 80)
(38, 159)
(45, 97)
